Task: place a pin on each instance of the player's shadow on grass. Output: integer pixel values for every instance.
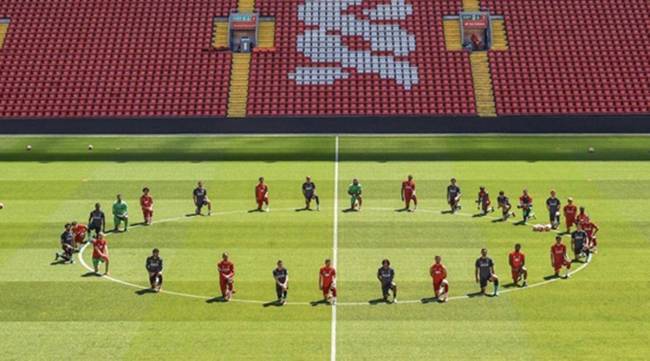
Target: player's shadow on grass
(144, 291)
(304, 210)
(449, 211)
(426, 300)
(401, 210)
(350, 210)
(319, 302)
(476, 294)
(499, 220)
(91, 274)
(255, 210)
(520, 223)
(274, 303)
(192, 215)
(552, 277)
(479, 215)
(510, 285)
(59, 262)
(218, 299)
(378, 301)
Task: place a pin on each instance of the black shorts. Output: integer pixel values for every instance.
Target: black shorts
(309, 196)
(386, 286)
(201, 202)
(578, 248)
(483, 281)
(94, 227)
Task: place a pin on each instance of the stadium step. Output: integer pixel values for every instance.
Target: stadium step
(499, 35)
(238, 96)
(483, 93)
(246, 6)
(220, 34)
(266, 34)
(471, 5)
(452, 34)
(4, 27)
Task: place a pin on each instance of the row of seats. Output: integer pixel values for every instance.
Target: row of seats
(572, 56)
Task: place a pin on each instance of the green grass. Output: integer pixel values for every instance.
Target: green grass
(53, 312)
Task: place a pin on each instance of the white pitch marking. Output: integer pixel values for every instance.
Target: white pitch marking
(335, 240)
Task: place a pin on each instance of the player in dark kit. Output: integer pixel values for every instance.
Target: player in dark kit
(97, 220)
(553, 205)
(408, 194)
(579, 244)
(484, 272)
(526, 206)
(517, 261)
(309, 191)
(504, 203)
(67, 245)
(154, 266)
(200, 196)
(386, 276)
(453, 196)
(281, 276)
(483, 202)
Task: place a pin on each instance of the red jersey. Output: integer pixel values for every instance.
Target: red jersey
(526, 200)
(517, 259)
(99, 246)
(484, 197)
(328, 274)
(583, 219)
(589, 228)
(438, 272)
(80, 231)
(146, 202)
(260, 190)
(558, 251)
(570, 211)
(226, 269)
(408, 187)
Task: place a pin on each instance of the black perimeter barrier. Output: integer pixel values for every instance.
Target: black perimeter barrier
(577, 124)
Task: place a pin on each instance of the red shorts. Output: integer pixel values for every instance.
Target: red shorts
(436, 285)
(326, 288)
(516, 272)
(559, 263)
(147, 213)
(223, 284)
(262, 200)
(409, 196)
(78, 238)
(570, 221)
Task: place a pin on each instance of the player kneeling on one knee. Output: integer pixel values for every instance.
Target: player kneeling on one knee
(517, 260)
(386, 276)
(453, 196)
(484, 272)
(154, 265)
(281, 277)
(100, 253)
(226, 277)
(559, 258)
(120, 214)
(200, 197)
(438, 273)
(67, 245)
(327, 282)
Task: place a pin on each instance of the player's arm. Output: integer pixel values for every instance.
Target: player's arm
(103, 222)
(266, 191)
(90, 217)
(379, 275)
(194, 197)
(476, 273)
(444, 272)
(510, 262)
(320, 280)
(401, 193)
(595, 230)
(160, 269)
(286, 281)
(552, 258)
(431, 271)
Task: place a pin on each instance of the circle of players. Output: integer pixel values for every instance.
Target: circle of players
(583, 239)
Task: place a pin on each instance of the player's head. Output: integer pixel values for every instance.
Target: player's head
(438, 259)
(100, 235)
(73, 223)
(385, 263)
(67, 226)
(502, 193)
(280, 264)
(308, 179)
(328, 262)
(410, 177)
(199, 184)
(553, 193)
(570, 200)
(481, 188)
(558, 239)
(261, 179)
(355, 181)
(98, 206)
(119, 197)
(582, 210)
(483, 252)
(155, 252)
(145, 190)
(224, 256)
(453, 181)
(525, 191)
(517, 247)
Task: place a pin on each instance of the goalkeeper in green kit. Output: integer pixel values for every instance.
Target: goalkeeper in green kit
(355, 190)
(120, 214)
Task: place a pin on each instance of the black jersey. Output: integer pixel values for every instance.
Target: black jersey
(453, 191)
(579, 238)
(386, 275)
(484, 266)
(280, 274)
(67, 237)
(154, 264)
(553, 204)
(503, 201)
(200, 194)
(97, 217)
(309, 187)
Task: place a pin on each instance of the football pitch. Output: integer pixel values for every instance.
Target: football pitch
(55, 311)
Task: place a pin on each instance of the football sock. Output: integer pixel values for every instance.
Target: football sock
(496, 286)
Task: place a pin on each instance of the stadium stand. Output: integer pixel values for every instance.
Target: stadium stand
(128, 58)
(572, 57)
(71, 58)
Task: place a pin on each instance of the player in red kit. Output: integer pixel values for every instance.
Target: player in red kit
(591, 229)
(570, 212)
(79, 231)
(262, 195)
(408, 194)
(483, 202)
(517, 260)
(559, 257)
(226, 277)
(146, 203)
(582, 218)
(438, 273)
(327, 282)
